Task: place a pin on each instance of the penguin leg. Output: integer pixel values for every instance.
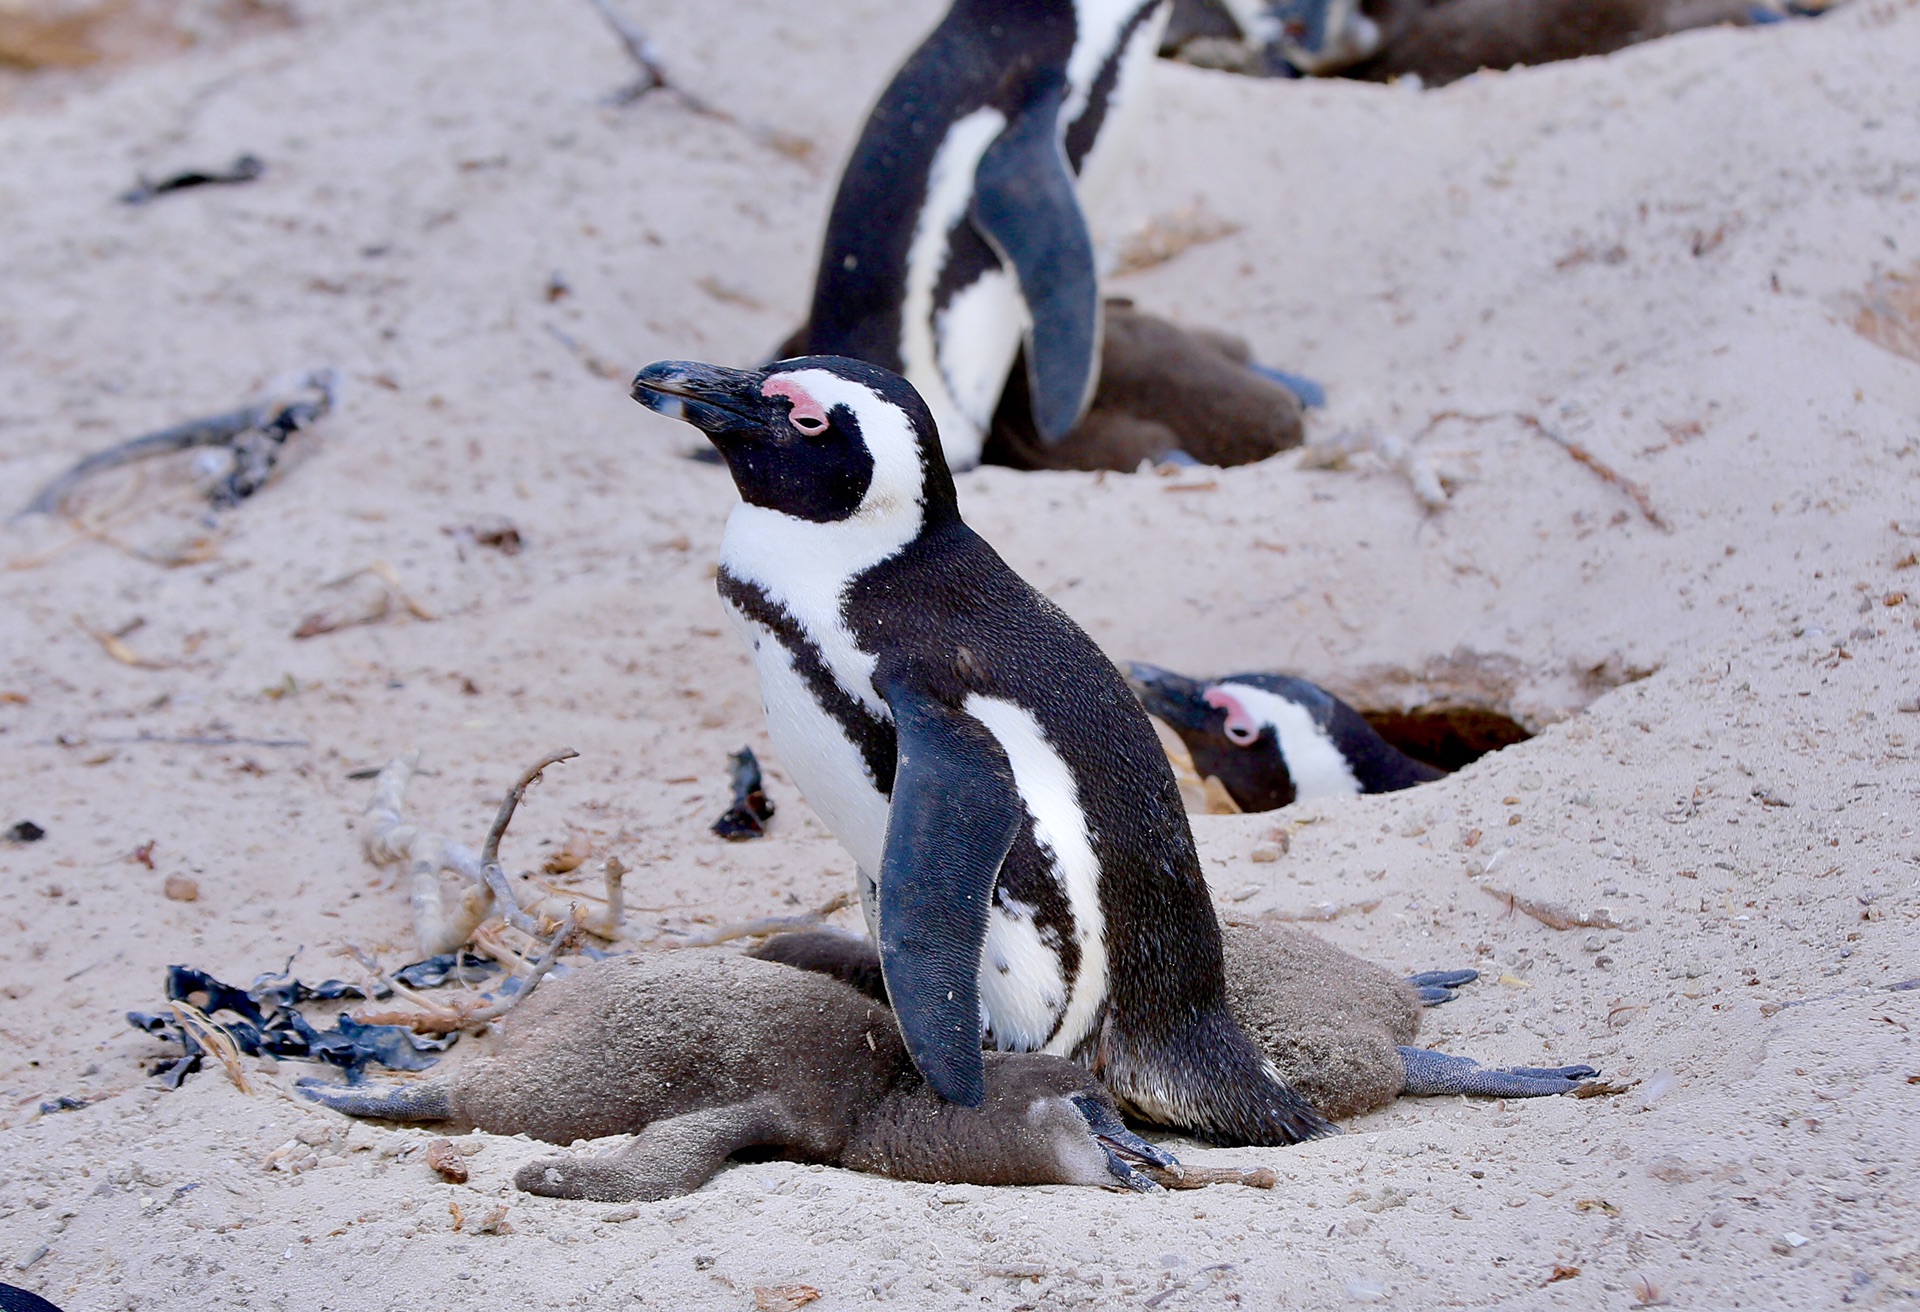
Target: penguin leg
(432, 1101)
(1434, 987)
(1433, 1074)
(670, 1157)
(850, 958)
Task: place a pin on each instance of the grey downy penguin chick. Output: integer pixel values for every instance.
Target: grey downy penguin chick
(703, 1055)
(1163, 390)
(1272, 740)
(1339, 1029)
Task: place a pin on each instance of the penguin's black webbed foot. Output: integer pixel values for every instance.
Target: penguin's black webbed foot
(1124, 1149)
(1310, 394)
(1433, 1074)
(1437, 986)
(406, 1102)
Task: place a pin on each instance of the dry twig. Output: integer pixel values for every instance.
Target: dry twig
(252, 435)
(1199, 1177)
(768, 925)
(1550, 915)
(653, 76)
(390, 839)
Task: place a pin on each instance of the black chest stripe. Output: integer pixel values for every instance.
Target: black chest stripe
(871, 736)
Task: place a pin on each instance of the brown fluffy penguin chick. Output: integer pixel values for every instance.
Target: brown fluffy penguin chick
(703, 1055)
(1448, 40)
(1330, 1021)
(1162, 388)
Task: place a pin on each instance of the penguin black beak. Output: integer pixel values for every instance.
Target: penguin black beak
(1123, 1147)
(722, 403)
(1174, 698)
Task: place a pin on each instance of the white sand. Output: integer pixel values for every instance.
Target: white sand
(432, 165)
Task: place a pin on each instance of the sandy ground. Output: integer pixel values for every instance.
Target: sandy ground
(1659, 257)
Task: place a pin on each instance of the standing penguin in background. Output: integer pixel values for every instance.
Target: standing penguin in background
(1025, 862)
(1272, 740)
(958, 237)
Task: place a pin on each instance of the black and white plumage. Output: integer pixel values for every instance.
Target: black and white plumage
(957, 237)
(1273, 740)
(1025, 863)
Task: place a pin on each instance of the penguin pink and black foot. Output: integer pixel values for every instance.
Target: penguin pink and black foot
(702, 1055)
(1024, 858)
(1272, 740)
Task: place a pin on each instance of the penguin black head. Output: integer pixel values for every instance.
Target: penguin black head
(1243, 754)
(1321, 37)
(1272, 739)
(820, 438)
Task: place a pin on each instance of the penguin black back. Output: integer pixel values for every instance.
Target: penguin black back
(957, 232)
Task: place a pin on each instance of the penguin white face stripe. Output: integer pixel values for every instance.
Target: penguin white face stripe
(1319, 768)
(949, 193)
(1048, 792)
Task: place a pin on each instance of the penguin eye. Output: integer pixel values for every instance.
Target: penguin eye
(811, 425)
(1244, 735)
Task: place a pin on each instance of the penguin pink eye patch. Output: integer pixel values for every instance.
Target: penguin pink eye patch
(807, 414)
(1242, 728)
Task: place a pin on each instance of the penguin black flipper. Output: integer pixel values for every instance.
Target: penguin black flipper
(1026, 207)
(956, 811)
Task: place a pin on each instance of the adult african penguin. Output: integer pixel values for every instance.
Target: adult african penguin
(1273, 740)
(957, 236)
(1025, 862)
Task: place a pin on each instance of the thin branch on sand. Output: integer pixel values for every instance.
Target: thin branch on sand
(1637, 492)
(253, 435)
(768, 925)
(1550, 915)
(654, 77)
(441, 925)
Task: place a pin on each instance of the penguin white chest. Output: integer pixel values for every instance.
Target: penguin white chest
(815, 748)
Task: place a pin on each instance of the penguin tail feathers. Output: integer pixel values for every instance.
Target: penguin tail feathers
(1207, 1079)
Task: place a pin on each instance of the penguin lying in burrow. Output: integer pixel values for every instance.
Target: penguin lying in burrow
(1438, 41)
(1272, 740)
(1338, 1028)
(1164, 394)
(957, 253)
(704, 1055)
(1002, 793)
